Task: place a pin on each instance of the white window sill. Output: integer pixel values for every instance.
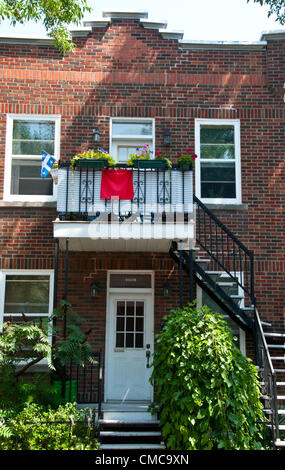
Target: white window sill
(42, 204)
(226, 207)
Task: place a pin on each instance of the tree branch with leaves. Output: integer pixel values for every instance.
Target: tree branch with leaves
(276, 7)
(55, 15)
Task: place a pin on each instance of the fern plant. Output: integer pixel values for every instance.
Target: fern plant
(26, 344)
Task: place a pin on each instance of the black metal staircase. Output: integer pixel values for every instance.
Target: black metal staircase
(218, 262)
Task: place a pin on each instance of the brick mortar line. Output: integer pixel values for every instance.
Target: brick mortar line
(139, 77)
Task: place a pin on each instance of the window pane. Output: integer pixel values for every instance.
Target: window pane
(139, 340)
(130, 340)
(218, 180)
(139, 323)
(140, 309)
(120, 340)
(33, 137)
(33, 130)
(130, 324)
(226, 152)
(120, 324)
(121, 308)
(217, 134)
(21, 147)
(132, 128)
(28, 294)
(26, 179)
(124, 152)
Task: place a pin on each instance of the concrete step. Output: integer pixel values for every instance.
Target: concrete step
(130, 433)
(131, 446)
(280, 443)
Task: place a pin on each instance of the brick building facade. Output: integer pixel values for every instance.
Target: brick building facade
(126, 70)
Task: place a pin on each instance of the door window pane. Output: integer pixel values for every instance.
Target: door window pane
(129, 324)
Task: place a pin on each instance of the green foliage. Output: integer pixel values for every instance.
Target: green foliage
(92, 154)
(54, 14)
(36, 428)
(276, 7)
(142, 153)
(207, 391)
(26, 344)
(72, 345)
(16, 392)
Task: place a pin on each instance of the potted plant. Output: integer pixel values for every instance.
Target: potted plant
(142, 159)
(92, 159)
(185, 160)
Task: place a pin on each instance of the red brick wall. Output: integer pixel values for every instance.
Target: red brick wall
(126, 70)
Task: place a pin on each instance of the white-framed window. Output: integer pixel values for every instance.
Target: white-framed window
(128, 134)
(218, 166)
(27, 136)
(25, 291)
(236, 292)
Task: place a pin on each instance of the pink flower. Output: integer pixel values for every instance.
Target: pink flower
(194, 156)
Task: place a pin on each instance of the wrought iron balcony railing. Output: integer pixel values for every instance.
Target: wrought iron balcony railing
(156, 192)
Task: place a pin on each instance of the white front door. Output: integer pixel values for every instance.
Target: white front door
(129, 338)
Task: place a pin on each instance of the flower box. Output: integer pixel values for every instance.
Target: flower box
(91, 163)
(150, 164)
(185, 166)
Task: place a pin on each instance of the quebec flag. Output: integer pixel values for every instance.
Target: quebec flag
(47, 164)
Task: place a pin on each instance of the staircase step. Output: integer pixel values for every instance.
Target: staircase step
(280, 443)
(131, 446)
(128, 424)
(276, 335)
(276, 346)
(280, 412)
(130, 433)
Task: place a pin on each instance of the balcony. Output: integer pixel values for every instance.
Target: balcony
(161, 210)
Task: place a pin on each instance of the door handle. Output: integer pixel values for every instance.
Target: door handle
(147, 353)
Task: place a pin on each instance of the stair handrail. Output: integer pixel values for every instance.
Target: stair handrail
(249, 290)
(265, 363)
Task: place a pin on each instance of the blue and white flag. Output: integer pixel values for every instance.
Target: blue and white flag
(47, 164)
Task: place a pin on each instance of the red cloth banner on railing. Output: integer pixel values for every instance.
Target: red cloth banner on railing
(117, 184)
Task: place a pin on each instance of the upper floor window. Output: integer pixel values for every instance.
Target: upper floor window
(127, 135)
(27, 137)
(218, 178)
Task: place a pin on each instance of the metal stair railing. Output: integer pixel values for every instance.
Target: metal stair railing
(267, 375)
(225, 249)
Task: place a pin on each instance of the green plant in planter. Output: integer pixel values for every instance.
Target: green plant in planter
(185, 160)
(208, 393)
(161, 156)
(91, 154)
(141, 153)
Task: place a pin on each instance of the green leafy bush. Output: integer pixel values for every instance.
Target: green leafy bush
(207, 391)
(37, 428)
